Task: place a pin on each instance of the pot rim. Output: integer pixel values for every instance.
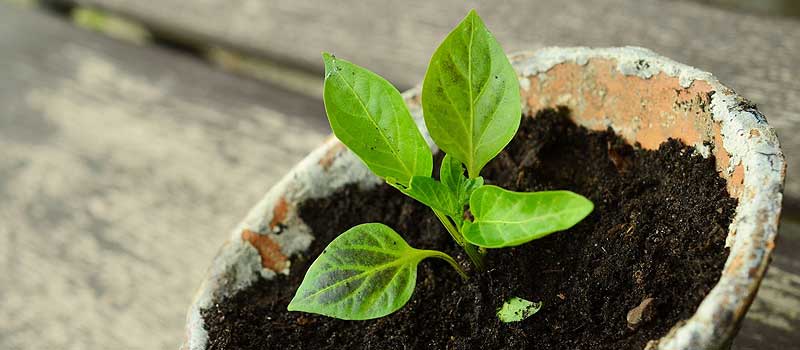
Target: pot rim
(271, 232)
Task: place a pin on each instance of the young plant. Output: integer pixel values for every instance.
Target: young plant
(471, 107)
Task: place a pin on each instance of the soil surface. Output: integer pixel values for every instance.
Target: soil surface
(650, 251)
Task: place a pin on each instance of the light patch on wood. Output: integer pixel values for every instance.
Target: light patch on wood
(778, 301)
(293, 79)
(134, 194)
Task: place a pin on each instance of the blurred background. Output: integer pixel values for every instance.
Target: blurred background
(134, 134)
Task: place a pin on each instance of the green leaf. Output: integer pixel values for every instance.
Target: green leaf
(517, 309)
(470, 95)
(370, 117)
(434, 194)
(451, 171)
(452, 175)
(504, 218)
(367, 272)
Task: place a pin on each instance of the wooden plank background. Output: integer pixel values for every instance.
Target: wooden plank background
(122, 170)
(754, 55)
(127, 165)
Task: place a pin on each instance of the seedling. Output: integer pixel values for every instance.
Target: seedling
(471, 107)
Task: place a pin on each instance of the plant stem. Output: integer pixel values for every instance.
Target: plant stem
(475, 255)
(472, 251)
(450, 260)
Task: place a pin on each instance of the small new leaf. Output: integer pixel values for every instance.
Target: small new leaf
(367, 272)
(434, 194)
(470, 95)
(452, 175)
(504, 218)
(517, 309)
(370, 117)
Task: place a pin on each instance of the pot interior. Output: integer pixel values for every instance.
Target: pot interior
(647, 111)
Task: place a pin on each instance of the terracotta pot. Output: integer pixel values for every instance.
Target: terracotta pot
(644, 97)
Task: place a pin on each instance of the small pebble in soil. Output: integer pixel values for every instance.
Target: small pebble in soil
(640, 314)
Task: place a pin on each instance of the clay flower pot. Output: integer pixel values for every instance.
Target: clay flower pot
(644, 97)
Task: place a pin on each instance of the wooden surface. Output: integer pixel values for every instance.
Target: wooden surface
(774, 318)
(756, 56)
(123, 167)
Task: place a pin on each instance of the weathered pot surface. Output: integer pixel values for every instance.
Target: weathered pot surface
(644, 97)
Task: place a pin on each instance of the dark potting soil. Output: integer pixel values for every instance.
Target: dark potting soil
(656, 239)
